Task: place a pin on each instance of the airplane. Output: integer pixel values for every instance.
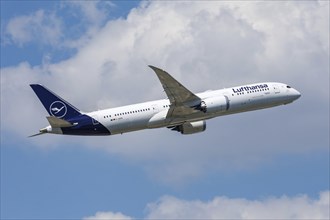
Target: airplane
(182, 111)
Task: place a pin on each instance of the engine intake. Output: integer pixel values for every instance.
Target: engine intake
(214, 104)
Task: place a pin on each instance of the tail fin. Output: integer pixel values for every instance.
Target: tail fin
(55, 105)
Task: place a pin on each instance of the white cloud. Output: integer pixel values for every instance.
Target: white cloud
(205, 46)
(298, 207)
(108, 216)
(94, 12)
(90, 16)
(72, 28)
(284, 207)
(40, 26)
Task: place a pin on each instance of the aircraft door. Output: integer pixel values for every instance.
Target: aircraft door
(276, 89)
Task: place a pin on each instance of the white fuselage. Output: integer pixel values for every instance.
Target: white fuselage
(232, 100)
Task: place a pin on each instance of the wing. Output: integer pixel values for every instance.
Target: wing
(183, 101)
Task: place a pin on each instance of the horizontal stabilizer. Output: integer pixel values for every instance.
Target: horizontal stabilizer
(58, 123)
(40, 133)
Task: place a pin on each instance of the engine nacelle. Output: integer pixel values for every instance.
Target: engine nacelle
(214, 104)
(191, 127)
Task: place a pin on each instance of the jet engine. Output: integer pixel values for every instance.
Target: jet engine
(190, 127)
(214, 104)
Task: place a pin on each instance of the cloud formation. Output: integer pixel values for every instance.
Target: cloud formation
(205, 46)
(108, 215)
(39, 26)
(72, 28)
(298, 207)
(284, 207)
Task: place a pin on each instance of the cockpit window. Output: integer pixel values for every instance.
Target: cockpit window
(288, 87)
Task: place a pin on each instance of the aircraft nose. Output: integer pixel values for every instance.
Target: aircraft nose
(295, 94)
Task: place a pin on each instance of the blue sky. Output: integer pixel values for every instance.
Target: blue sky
(95, 55)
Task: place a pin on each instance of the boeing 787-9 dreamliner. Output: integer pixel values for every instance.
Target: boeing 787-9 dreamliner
(183, 110)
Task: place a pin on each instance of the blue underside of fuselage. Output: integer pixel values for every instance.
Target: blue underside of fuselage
(85, 125)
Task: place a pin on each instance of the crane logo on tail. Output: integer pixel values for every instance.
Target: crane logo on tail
(58, 109)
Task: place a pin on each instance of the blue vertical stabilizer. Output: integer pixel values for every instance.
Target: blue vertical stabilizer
(55, 105)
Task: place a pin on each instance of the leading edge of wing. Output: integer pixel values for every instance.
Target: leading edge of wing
(175, 91)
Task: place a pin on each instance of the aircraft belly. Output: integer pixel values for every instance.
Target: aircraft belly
(85, 125)
(253, 103)
(127, 125)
